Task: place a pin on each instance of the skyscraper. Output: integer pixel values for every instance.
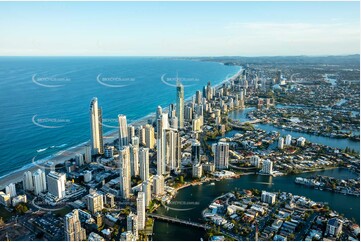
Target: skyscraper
(125, 176)
(131, 132)
(141, 135)
(172, 150)
(96, 127)
(158, 185)
(28, 181)
(141, 210)
(158, 112)
(73, 229)
(288, 139)
(146, 188)
(221, 155)
(95, 202)
(149, 136)
(56, 184)
(39, 182)
(255, 161)
(88, 153)
(134, 160)
(196, 152)
(198, 97)
(11, 190)
(197, 170)
(267, 167)
(162, 123)
(180, 105)
(123, 131)
(144, 163)
(281, 141)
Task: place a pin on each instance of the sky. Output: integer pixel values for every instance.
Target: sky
(179, 28)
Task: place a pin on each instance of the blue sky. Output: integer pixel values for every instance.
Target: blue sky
(179, 28)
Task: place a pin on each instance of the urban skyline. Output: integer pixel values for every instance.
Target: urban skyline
(99, 147)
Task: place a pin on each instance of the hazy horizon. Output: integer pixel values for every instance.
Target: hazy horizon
(179, 29)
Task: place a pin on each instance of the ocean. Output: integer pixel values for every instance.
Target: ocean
(44, 101)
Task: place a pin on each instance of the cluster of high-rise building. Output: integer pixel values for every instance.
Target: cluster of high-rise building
(45, 181)
(131, 154)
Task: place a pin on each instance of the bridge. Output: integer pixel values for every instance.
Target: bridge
(177, 220)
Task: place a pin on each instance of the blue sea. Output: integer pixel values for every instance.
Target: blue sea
(44, 101)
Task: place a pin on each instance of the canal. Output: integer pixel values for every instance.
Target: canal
(191, 201)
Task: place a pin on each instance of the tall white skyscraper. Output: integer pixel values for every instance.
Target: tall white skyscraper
(11, 190)
(149, 136)
(132, 224)
(123, 131)
(146, 188)
(267, 167)
(288, 139)
(144, 163)
(28, 181)
(141, 134)
(39, 182)
(180, 105)
(131, 132)
(221, 155)
(141, 210)
(73, 229)
(56, 184)
(172, 150)
(162, 123)
(281, 143)
(125, 176)
(158, 185)
(134, 160)
(96, 127)
(95, 202)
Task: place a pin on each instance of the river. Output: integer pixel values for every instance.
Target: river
(197, 198)
(332, 142)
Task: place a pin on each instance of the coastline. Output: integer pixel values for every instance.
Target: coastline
(64, 155)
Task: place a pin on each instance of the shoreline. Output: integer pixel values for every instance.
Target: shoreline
(246, 174)
(17, 175)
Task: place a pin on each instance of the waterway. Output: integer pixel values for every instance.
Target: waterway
(194, 199)
(197, 198)
(332, 142)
